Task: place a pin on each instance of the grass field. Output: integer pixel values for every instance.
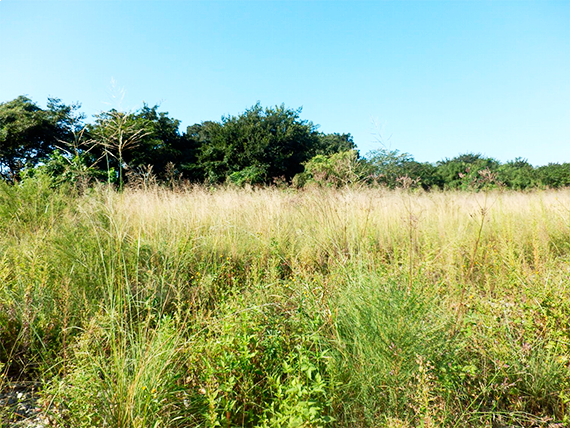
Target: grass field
(284, 308)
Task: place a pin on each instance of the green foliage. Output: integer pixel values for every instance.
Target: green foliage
(275, 140)
(521, 371)
(160, 144)
(122, 375)
(201, 159)
(258, 146)
(388, 166)
(518, 174)
(196, 308)
(259, 368)
(335, 143)
(393, 169)
(302, 395)
(28, 133)
(554, 175)
(385, 330)
(468, 171)
(336, 170)
(30, 321)
(32, 203)
(249, 175)
(64, 168)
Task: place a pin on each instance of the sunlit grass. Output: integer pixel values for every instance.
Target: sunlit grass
(269, 307)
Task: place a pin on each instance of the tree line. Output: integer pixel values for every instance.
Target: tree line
(259, 146)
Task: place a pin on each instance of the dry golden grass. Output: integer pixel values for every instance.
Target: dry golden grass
(522, 230)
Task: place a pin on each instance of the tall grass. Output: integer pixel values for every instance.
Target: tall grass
(265, 307)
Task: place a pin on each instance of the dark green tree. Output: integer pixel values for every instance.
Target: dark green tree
(204, 153)
(29, 133)
(554, 175)
(464, 171)
(423, 173)
(275, 141)
(160, 145)
(335, 143)
(518, 174)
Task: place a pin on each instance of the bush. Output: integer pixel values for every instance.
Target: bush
(249, 175)
(336, 170)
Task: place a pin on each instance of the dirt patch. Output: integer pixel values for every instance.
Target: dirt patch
(20, 407)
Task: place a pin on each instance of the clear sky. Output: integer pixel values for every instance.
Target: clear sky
(435, 78)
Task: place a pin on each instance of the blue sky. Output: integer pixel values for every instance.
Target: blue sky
(434, 78)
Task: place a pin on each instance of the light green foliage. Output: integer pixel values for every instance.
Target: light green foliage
(302, 395)
(258, 366)
(388, 166)
(384, 328)
(249, 175)
(336, 170)
(61, 168)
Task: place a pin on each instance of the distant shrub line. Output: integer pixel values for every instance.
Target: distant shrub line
(260, 146)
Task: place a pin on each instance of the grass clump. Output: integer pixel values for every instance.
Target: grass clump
(121, 376)
(391, 339)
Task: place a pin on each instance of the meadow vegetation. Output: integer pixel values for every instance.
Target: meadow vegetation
(261, 146)
(267, 307)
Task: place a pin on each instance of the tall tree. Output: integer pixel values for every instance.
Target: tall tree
(272, 140)
(518, 174)
(159, 146)
(554, 175)
(388, 166)
(29, 133)
(202, 153)
(464, 171)
(334, 143)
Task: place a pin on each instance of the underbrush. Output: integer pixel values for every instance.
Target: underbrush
(270, 308)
